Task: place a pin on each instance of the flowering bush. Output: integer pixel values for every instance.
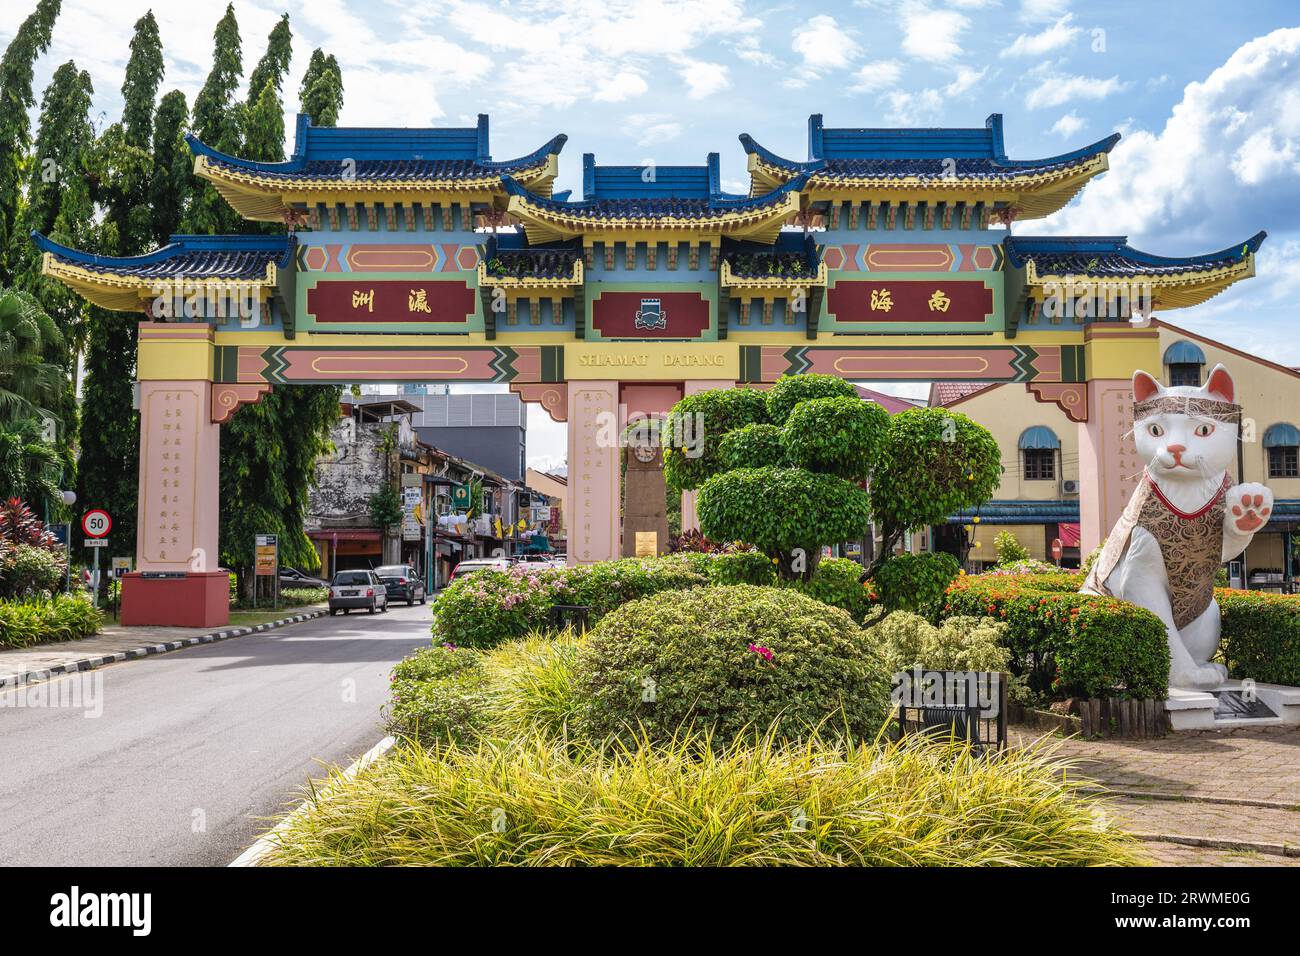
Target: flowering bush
(1026, 566)
(730, 660)
(489, 607)
(1068, 644)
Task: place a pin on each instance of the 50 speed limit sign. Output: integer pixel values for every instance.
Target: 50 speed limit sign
(96, 523)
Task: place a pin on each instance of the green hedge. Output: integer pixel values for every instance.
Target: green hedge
(1261, 635)
(29, 621)
(1068, 644)
(836, 582)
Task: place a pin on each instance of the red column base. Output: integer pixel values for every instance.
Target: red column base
(196, 599)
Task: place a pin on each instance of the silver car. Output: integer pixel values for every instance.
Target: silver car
(355, 590)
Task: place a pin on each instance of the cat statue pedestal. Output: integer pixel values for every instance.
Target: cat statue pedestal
(1185, 519)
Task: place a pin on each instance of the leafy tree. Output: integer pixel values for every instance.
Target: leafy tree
(30, 385)
(264, 117)
(1009, 548)
(169, 181)
(16, 99)
(693, 431)
(799, 481)
(144, 73)
(217, 121)
(321, 93)
(268, 462)
(31, 468)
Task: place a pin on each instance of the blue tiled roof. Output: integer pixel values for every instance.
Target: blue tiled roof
(758, 260)
(1020, 512)
(927, 153)
(383, 155)
(508, 259)
(655, 201)
(1103, 256)
(190, 257)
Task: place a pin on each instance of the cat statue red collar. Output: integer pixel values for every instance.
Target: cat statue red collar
(1185, 519)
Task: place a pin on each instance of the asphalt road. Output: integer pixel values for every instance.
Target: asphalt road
(196, 749)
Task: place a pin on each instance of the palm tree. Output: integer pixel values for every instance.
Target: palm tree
(29, 384)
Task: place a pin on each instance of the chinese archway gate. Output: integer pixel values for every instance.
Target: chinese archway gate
(413, 256)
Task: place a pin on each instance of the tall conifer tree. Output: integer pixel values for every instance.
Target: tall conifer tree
(321, 93)
(217, 122)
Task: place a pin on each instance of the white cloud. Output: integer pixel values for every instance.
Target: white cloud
(1042, 11)
(907, 108)
(1068, 125)
(1057, 89)
(930, 34)
(965, 80)
(876, 76)
(651, 129)
(704, 79)
(1059, 34)
(823, 44)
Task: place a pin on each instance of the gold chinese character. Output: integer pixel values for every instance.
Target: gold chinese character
(938, 302)
(881, 301)
(417, 301)
(364, 298)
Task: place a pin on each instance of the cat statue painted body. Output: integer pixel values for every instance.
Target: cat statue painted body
(1184, 520)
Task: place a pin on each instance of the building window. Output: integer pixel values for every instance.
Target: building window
(1040, 464)
(1185, 373)
(1284, 462)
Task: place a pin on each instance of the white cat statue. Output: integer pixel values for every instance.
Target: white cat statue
(1186, 518)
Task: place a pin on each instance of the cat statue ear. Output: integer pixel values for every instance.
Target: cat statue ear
(1220, 385)
(1144, 386)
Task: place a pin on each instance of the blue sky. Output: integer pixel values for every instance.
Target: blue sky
(1206, 94)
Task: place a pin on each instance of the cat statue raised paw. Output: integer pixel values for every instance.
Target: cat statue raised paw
(1185, 519)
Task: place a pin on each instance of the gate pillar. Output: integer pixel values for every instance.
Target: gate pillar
(593, 480)
(177, 581)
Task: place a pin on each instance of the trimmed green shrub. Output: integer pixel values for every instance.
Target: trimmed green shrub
(38, 620)
(903, 804)
(753, 446)
(840, 436)
(790, 390)
(32, 569)
(730, 661)
(438, 695)
(837, 582)
(1261, 635)
(912, 581)
(779, 510)
(1068, 644)
(1027, 566)
(298, 597)
(719, 411)
(741, 567)
(905, 640)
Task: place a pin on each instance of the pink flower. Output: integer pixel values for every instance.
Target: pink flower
(763, 652)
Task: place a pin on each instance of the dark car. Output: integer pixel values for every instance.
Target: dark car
(402, 582)
(293, 578)
(356, 590)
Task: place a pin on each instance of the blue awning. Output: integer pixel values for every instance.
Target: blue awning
(1282, 435)
(1039, 436)
(1184, 352)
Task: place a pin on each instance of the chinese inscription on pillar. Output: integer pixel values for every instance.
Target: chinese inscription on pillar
(169, 473)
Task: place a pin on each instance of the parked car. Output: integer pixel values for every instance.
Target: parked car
(357, 589)
(402, 582)
(479, 564)
(293, 578)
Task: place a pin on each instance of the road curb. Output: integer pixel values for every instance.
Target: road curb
(1218, 843)
(269, 840)
(147, 650)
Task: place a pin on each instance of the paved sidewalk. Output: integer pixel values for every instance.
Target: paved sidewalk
(116, 643)
(1236, 793)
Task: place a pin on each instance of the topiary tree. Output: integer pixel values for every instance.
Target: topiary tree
(694, 429)
(795, 478)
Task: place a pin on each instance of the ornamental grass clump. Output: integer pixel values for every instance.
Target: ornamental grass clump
(539, 801)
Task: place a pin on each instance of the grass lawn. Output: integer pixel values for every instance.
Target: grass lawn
(250, 617)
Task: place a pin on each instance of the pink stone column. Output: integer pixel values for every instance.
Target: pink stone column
(690, 518)
(177, 518)
(1108, 460)
(593, 481)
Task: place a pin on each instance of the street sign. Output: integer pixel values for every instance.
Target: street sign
(1057, 551)
(96, 523)
(121, 566)
(267, 557)
(96, 543)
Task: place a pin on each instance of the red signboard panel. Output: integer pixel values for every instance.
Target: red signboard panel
(650, 315)
(390, 301)
(909, 300)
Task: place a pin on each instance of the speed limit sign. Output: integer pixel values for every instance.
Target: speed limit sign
(96, 523)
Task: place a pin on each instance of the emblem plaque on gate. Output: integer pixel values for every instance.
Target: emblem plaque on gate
(651, 315)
